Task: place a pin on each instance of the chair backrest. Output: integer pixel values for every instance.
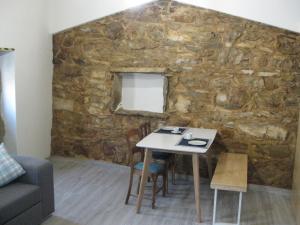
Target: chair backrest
(132, 137)
(148, 127)
(135, 135)
(145, 129)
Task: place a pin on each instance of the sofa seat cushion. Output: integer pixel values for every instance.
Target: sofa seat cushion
(17, 198)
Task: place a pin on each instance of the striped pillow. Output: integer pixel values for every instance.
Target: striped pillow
(9, 168)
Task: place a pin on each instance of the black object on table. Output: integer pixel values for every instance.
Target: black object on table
(185, 142)
(169, 131)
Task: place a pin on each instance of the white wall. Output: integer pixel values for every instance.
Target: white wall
(64, 14)
(143, 92)
(23, 26)
(8, 100)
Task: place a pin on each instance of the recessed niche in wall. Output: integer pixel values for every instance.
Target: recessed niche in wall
(8, 99)
(140, 91)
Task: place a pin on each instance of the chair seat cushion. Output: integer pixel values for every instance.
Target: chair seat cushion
(16, 198)
(161, 155)
(153, 167)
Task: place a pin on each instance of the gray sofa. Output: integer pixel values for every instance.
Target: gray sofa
(30, 199)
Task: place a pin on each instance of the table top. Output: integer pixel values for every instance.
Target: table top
(168, 142)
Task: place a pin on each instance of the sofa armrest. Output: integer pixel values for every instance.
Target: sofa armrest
(39, 172)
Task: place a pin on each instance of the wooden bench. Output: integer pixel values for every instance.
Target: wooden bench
(230, 175)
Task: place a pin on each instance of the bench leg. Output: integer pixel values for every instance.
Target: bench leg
(215, 206)
(240, 208)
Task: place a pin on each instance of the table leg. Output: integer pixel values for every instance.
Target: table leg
(147, 160)
(197, 185)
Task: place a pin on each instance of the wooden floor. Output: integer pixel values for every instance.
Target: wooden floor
(92, 193)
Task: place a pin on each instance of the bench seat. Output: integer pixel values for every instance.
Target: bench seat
(230, 175)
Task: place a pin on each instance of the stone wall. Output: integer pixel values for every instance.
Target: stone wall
(235, 75)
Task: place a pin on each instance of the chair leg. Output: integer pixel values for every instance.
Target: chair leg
(165, 177)
(209, 167)
(154, 178)
(167, 182)
(172, 164)
(129, 186)
(173, 170)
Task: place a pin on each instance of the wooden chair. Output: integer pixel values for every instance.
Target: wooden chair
(169, 158)
(155, 169)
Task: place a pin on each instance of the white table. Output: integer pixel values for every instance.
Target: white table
(168, 143)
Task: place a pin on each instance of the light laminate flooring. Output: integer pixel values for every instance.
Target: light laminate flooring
(89, 192)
